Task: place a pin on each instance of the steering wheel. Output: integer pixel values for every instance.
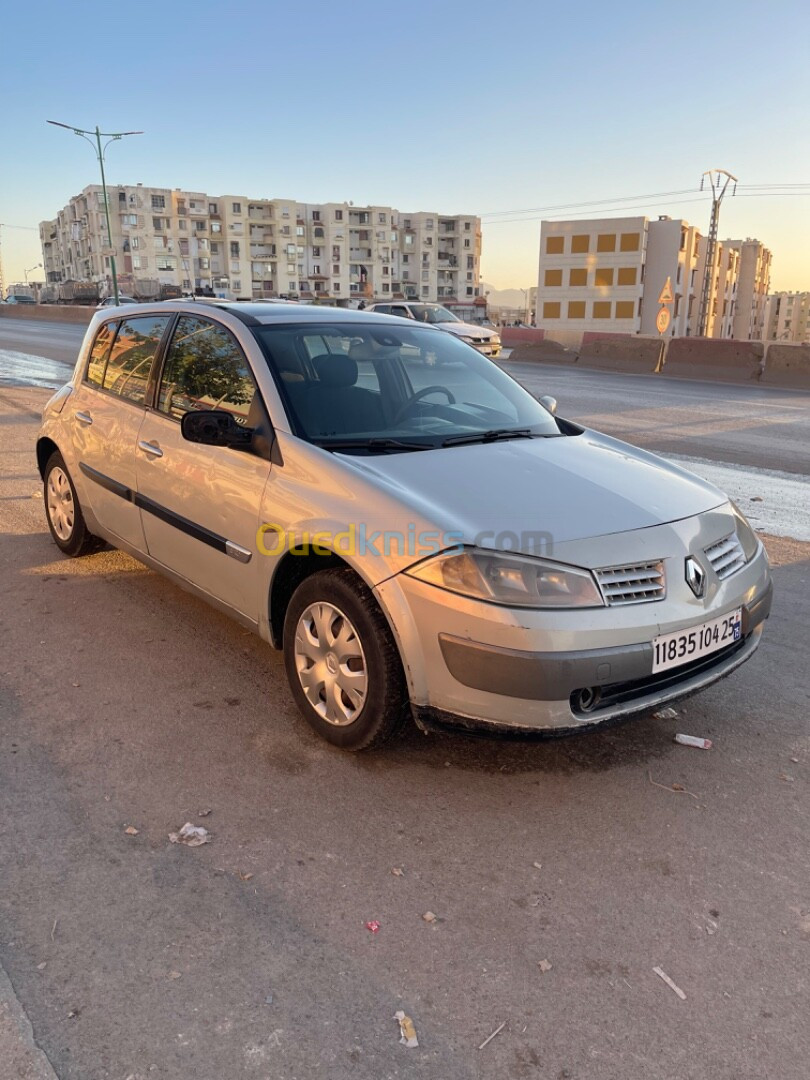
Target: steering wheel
(423, 393)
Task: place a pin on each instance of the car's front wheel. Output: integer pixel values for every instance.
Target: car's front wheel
(342, 663)
(64, 514)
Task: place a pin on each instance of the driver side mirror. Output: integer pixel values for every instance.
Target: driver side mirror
(549, 402)
(215, 427)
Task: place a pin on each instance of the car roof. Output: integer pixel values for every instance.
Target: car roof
(260, 314)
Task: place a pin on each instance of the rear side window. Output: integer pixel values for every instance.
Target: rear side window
(132, 355)
(99, 354)
(205, 369)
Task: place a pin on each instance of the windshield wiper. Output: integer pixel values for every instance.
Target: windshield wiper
(489, 436)
(375, 444)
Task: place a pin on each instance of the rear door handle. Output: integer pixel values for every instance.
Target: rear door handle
(83, 417)
(150, 448)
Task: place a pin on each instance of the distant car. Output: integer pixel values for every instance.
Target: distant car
(109, 301)
(19, 298)
(486, 341)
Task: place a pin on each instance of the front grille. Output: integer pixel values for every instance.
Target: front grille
(726, 556)
(632, 584)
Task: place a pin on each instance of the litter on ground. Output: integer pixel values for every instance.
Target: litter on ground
(663, 975)
(407, 1032)
(693, 740)
(191, 835)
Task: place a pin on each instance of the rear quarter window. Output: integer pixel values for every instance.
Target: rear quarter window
(129, 363)
(99, 354)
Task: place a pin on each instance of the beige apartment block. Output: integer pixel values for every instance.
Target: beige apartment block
(244, 247)
(611, 274)
(787, 317)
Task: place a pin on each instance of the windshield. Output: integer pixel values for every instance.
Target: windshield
(370, 388)
(432, 313)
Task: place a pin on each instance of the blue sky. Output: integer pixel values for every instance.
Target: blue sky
(448, 106)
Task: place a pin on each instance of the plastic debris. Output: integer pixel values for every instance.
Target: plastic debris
(489, 1038)
(130, 830)
(373, 926)
(786, 778)
(268, 999)
(544, 965)
(693, 740)
(245, 877)
(429, 917)
(756, 498)
(397, 871)
(191, 835)
(537, 865)
(663, 975)
(204, 813)
(175, 975)
(407, 1032)
(665, 714)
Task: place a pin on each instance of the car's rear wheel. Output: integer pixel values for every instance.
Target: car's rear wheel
(342, 663)
(64, 514)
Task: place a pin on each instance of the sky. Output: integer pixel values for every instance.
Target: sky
(454, 106)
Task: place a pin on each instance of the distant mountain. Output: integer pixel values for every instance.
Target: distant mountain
(502, 298)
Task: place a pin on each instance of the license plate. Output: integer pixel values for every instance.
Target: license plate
(672, 650)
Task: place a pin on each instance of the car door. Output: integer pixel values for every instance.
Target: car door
(108, 409)
(200, 504)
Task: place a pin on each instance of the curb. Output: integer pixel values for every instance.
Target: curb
(19, 1054)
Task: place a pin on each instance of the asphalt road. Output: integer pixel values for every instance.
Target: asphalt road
(126, 703)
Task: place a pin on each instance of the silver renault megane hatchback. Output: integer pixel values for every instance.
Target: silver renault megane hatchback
(416, 532)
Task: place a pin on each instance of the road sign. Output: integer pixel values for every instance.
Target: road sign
(666, 296)
(662, 320)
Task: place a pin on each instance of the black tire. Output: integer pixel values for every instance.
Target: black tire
(75, 540)
(384, 705)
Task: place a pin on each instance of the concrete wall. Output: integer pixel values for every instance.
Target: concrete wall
(787, 365)
(620, 352)
(64, 313)
(723, 361)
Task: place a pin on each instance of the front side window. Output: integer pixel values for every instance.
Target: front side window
(379, 389)
(205, 369)
(132, 355)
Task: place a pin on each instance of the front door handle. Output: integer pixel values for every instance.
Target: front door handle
(150, 448)
(83, 417)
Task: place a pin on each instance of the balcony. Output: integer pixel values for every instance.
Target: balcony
(259, 215)
(359, 254)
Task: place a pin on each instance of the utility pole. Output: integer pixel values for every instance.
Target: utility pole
(719, 179)
(94, 138)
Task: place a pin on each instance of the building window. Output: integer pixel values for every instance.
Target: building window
(551, 309)
(553, 277)
(158, 202)
(336, 269)
(299, 230)
(316, 252)
(606, 242)
(318, 232)
(601, 309)
(183, 224)
(381, 219)
(212, 208)
(236, 208)
(316, 215)
(467, 242)
(578, 276)
(576, 309)
(630, 241)
(157, 224)
(625, 309)
(603, 276)
(234, 249)
(580, 244)
(469, 290)
(335, 286)
(627, 275)
(555, 245)
(338, 215)
(386, 287)
(216, 226)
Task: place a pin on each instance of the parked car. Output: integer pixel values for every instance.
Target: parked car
(485, 340)
(109, 301)
(450, 549)
(19, 298)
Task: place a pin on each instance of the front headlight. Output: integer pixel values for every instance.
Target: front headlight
(511, 580)
(749, 540)
(495, 339)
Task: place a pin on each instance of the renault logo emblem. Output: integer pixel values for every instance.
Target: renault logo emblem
(695, 576)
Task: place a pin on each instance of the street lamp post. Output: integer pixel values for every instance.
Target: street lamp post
(30, 270)
(94, 138)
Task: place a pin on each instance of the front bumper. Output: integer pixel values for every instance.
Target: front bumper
(474, 665)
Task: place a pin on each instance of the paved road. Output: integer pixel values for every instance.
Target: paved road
(752, 426)
(127, 703)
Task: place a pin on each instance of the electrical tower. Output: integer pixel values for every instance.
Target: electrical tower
(719, 179)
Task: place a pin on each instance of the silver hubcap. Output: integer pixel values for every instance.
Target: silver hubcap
(61, 510)
(331, 664)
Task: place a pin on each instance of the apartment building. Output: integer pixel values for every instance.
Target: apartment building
(246, 247)
(787, 317)
(608, 274)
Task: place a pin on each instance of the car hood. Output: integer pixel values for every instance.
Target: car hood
(570, 487)
(462, 329)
